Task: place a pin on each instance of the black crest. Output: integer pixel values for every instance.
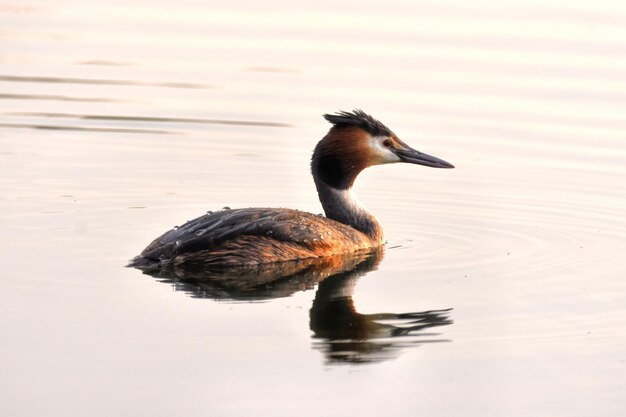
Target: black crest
(361, 119)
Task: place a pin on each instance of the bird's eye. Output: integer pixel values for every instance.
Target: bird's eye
(386, 143)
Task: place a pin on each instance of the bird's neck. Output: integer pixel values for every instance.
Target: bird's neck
(342, 206)
(335, 167)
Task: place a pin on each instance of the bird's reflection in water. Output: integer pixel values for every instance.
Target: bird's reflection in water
(343, 334)
(346, 336)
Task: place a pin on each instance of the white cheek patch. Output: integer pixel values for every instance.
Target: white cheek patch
(381, 154)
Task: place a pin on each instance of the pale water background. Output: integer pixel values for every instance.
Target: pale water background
(120, 119)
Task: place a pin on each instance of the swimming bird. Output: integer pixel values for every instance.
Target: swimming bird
(254, 236)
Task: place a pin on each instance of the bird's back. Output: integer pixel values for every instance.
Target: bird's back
(250, 236)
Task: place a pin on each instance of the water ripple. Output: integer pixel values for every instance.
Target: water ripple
(53, 97)
(83, 129)
(152, 119)
(67, 80)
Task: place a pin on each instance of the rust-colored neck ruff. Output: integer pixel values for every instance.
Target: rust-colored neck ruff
(340, 156)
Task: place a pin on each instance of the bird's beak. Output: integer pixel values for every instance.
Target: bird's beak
(413, 156)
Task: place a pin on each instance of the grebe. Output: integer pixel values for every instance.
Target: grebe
(254, 236)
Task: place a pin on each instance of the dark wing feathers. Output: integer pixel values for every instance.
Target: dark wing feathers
(216, 232)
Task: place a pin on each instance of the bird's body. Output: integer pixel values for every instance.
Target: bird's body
(253, 236)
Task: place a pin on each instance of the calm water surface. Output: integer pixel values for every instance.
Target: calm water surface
(121, 120)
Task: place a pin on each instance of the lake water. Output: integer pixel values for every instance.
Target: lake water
(120, 120)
